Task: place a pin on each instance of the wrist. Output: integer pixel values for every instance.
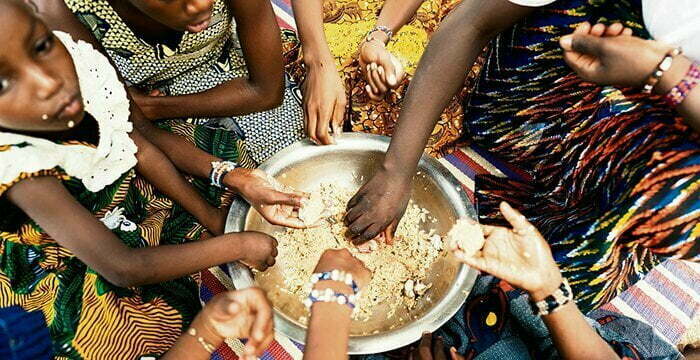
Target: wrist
(673, 76)
(235, 180)
(550, 282)
(204, 330)
(318, 58)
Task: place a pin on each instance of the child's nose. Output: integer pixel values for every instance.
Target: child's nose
(47, 85)
(195, 7)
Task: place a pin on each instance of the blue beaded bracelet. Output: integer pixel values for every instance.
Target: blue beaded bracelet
(336, 275)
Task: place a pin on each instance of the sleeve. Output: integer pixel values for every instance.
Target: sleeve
(18, 162)
(630, 338)
(532, 3)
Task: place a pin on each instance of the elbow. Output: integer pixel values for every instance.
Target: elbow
(125, 275)
(271, 96)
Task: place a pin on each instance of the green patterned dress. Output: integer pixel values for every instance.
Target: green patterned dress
(87, 316)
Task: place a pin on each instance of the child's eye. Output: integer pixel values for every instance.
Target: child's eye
(44, 45)
(4, 84)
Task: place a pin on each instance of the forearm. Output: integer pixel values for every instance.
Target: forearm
(188, 348)
(174, 261)
(329, 328)
(690, 107)
(309, 18)
(328, 334)
(574, 338)
(236, 97)
(397, 13)
(160, 171)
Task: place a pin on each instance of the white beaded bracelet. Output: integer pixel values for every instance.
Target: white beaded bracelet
(336, 275)
(330, 296)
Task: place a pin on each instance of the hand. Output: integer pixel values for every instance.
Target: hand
(324, 102)
(267, 196)
(344, 261)
(433, 350)
(241, 314)
(141, 99)
(380, 68)
(378, 206)
(519, 256)
(610, 55)
(258, 250)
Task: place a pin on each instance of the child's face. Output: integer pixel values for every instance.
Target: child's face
(39, 88)
(191, 15)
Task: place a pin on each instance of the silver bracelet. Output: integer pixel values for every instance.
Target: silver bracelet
(219, 169)
(382, 28)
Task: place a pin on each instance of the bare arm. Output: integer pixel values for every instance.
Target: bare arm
(263, 89)
(160, 171)
(440, 74)
(52, 207)
(396, 13)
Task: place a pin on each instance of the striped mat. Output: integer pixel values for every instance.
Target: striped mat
(668, 298)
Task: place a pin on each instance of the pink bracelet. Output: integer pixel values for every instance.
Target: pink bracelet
(681, 91)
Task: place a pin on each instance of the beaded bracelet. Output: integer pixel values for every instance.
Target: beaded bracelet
(219, 169)
(330, 296)
(207, 346)
(681, 91)
(560, 297)
(336, 275)
(663, 66)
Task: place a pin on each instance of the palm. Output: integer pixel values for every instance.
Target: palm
(509, 255)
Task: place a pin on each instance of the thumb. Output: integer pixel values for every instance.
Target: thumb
(389, 69)
(584, 44)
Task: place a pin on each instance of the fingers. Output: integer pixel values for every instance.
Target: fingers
(399, 72)
(389, 232)
(425, 346)
(584, 28)
(439, 349)
(338, 117)
(311, 114)
(454, 355)
(377, 72)
(281, 198)
(627, 32)
(598, 30)
(370, 78)
(515, 218)
(323, 124)
(477, 262)
(388, 70)
(614, 29)
(585, 44)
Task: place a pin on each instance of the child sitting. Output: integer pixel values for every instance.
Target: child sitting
(86, 236)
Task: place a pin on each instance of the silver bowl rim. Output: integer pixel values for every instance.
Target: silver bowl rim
(440, 312)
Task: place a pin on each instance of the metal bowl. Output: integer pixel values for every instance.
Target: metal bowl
(353, 160)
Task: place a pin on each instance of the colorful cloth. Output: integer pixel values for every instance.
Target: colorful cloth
(87, 316)
(346, 22)
(497, 322)
(614, 175)
(200, 61)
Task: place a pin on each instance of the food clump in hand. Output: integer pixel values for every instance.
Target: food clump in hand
(466, 235)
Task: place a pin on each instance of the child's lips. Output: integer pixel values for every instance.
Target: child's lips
(72, 108)
(200, 26)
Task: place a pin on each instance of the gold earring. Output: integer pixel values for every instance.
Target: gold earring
(70, 124)
(44, 117)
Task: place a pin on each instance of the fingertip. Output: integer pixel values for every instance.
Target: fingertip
(566, 42)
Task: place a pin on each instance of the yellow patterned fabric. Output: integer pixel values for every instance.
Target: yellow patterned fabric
(346, 22)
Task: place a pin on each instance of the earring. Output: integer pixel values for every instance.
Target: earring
(70, 124)
(45, 117)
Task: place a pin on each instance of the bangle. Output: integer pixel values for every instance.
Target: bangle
(663, 66)
(219, 169)
(330, 296)
(336, 275)
(207, 346)
(381, 28)
(560, 297)
(681, 91)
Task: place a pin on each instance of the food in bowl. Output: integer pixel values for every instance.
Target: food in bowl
(399, 270)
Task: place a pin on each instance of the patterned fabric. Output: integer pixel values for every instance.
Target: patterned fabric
(87, 316)
(201, 61)
(496, 322)
(346, 22)
(615, 175)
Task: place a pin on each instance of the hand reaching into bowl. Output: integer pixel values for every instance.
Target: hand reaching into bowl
(276, 204)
